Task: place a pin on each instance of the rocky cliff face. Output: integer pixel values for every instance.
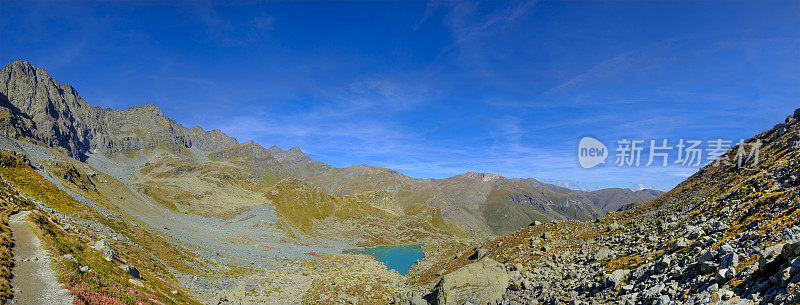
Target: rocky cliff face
(56, 115)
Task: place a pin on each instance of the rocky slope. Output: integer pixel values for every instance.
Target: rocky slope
(727, 235)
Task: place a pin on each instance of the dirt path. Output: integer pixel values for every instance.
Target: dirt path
(34, 281)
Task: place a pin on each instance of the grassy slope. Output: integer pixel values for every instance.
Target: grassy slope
(106, 282)
(373, 215)
(10, 203)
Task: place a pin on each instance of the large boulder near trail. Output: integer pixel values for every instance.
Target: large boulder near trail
(481, 282)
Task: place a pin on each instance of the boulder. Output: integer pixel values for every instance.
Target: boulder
(480, 253)
(627, 288)
(602, 253)
(727, 295)
(103, 246)
(417, 301)
(616, 277)
(731, 260)
(132, 271)
(723, 275)
(769, 254)
(679, 243)
(664, 262)
(109, 254)
(100, 244)
(654, 291)
(481, 282)
(707, 255)
(726, 248)
(693, 232)
(708, 267)
(792, 247)
(791, 235)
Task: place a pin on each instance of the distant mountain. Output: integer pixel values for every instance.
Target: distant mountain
(39, 109)
(612, 199)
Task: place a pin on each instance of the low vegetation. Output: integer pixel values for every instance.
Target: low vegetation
(101, 281)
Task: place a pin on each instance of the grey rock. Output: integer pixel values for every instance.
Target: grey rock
(627, 288)
(480, 283)
(769, 254)
(731, 260)
(679, 244)
(707, 255)
(726, 248)
(602, 254)
(617, 276)
(109, 254)
(100, 244)
(791, 235)
(132, 271)
(727, 295)
(726, 274)
(693, 232)
(481, 253)
(708, 267)
(792, 247)
(654, 291)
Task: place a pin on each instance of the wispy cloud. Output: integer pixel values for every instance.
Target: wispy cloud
(473, 30)
(386, 93)
(468, 25)
(642, 60)
(229, 32)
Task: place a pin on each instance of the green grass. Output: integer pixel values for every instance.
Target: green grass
(107, 283)
(16, 170)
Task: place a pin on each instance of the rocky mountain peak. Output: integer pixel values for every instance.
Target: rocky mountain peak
(56, 115)
(294, 155)
(150, 108)
(19, 66)
(486, 177)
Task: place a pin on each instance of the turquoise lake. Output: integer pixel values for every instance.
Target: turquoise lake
(399, 258)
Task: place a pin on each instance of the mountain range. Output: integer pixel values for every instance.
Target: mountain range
(39, 109)
(135, 208)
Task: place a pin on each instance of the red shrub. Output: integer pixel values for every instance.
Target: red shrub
(89, 297)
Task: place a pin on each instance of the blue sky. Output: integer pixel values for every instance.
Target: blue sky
(433, 89)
